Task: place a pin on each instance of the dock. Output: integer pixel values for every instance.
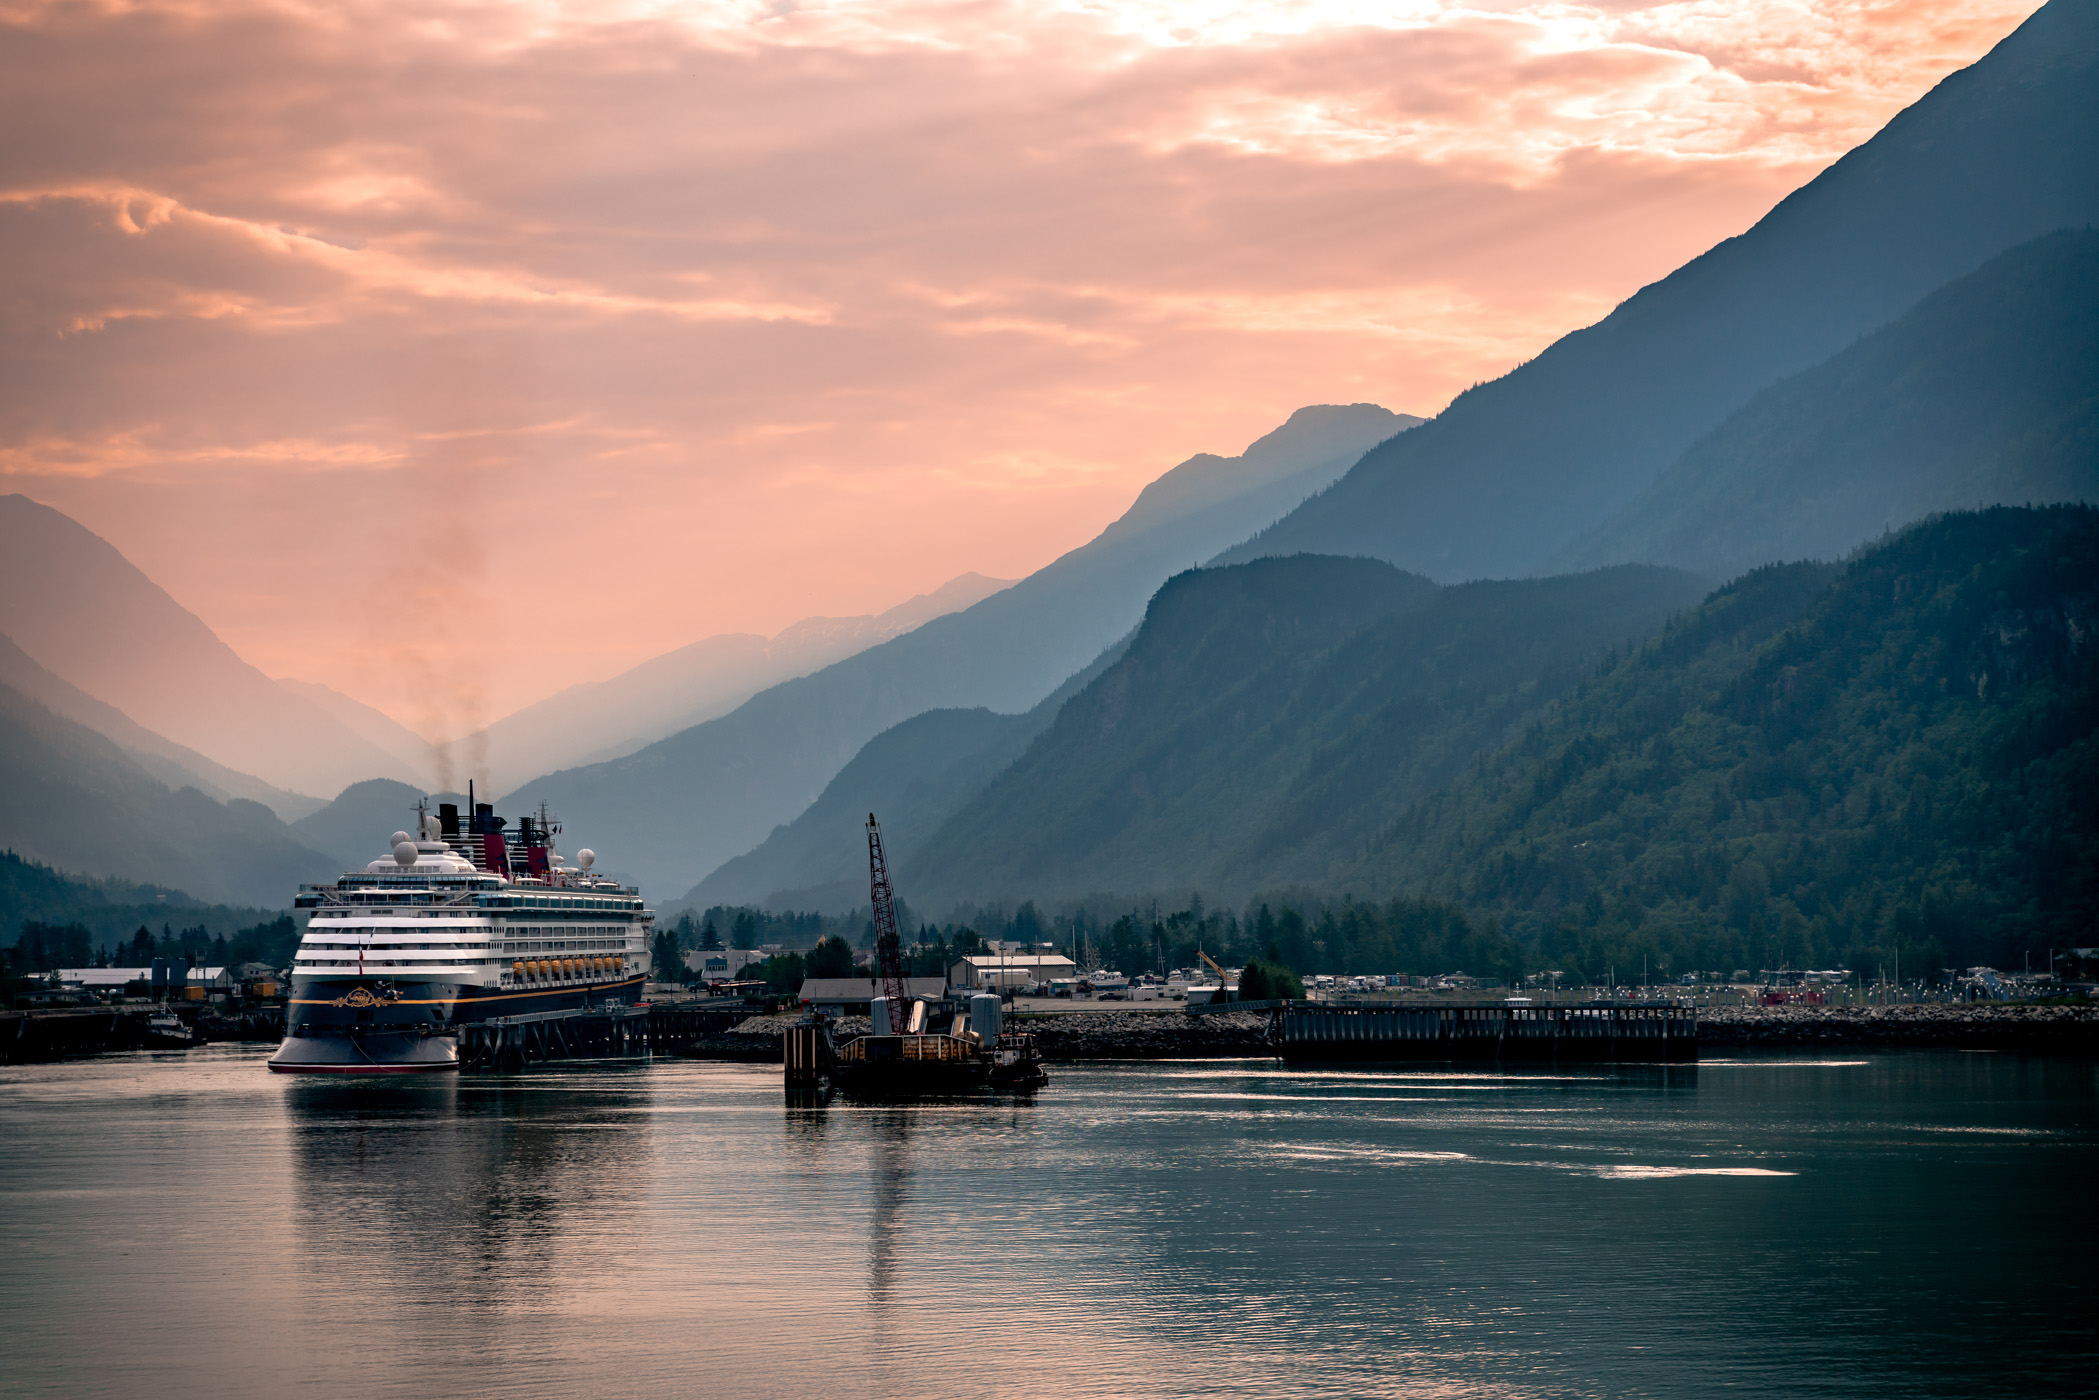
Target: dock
(509, 1044)
(1655, 1033)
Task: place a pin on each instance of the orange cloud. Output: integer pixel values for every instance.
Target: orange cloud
(684, 318)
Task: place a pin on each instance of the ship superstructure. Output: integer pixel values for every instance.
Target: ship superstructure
(457, 923)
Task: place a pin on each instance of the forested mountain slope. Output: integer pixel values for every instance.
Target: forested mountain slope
(1269, 717)
(1986, 392)
(1827, 766)
(674, 811)
(913, 775)
(92, 914)
(1513, 471)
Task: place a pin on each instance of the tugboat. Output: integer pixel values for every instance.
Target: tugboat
(902, 1056)
(164, 1030)
(457, 923)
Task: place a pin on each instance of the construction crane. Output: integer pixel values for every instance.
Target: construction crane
(1224, 983)
(889, 945)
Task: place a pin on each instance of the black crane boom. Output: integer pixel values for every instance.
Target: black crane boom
(889, 944)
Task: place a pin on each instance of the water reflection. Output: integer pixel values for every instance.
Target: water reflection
(889, 1165)
(465, 1191)
(1781, 1225)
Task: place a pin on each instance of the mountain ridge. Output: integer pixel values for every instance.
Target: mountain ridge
(1987, 389)
(165, 759)
(672, 812)
(73, 603)
(74, 800)
(914, 775)
(691, 684)
(1513, 470)
(1271, 715)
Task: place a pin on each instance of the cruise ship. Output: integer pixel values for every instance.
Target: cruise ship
(453, 925)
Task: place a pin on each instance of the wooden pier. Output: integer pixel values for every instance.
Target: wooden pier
(1651, 1033)
(62, 1033)
(809, 1055)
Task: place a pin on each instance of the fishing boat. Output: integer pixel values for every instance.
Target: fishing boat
(166, 1031)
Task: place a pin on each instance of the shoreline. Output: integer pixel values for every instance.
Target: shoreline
(1076, 1036)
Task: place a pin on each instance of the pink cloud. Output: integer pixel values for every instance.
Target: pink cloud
(701, 318)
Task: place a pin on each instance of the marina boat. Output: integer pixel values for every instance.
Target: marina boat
(166, 1031)
(456, 923)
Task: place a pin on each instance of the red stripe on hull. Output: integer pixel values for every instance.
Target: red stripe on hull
(276, 1068)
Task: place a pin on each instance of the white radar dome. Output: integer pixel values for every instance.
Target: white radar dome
(432, 828)
(398, 837)
(404, 852)
(586, 857)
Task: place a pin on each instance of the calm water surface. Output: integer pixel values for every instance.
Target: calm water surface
(1867, 1225)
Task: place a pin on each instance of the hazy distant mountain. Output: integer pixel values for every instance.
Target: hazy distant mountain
(81, 609)
(675, 810)
(164, 759)
(352, 830)
(1513, 471)
(602, 720)
(1986, 392)
(914, 776)
(374, 726)
(1271, 717)
(74, 800)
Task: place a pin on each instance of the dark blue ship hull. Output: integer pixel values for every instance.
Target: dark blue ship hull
(376, 1026)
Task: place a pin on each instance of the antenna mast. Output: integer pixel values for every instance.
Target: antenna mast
(889, 945)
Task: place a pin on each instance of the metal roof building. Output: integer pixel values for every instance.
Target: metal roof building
(1011, 970)
(114, 978)
(849, 996)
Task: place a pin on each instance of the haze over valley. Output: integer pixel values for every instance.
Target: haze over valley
(1750, 618)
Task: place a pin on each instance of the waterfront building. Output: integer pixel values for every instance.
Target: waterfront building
(721, 964)
(849, 996)
(1000, 971)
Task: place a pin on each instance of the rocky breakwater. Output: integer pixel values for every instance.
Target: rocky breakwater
(754, 1040)
(1146, 1035)
(1957, 1026)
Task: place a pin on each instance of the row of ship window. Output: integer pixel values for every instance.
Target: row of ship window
(403, 962)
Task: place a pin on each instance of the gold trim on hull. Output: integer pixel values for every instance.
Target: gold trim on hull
(501, 996)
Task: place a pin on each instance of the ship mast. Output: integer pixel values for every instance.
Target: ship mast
(889, 945)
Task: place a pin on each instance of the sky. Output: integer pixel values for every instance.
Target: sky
(450, 354)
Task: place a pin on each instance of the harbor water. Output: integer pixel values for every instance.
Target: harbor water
(1909, 1224)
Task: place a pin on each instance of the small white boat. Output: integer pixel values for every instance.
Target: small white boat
(165, 1031)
